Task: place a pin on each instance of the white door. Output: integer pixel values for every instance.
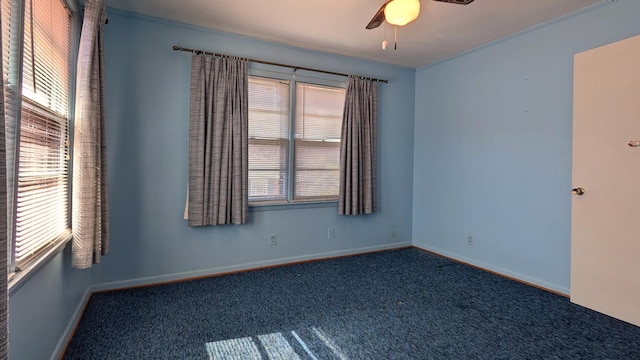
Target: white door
(605, 220)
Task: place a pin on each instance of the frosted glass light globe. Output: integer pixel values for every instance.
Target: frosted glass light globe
(401, 12)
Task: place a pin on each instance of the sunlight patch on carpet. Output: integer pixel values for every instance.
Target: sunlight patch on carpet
(327, 341)
(234, 349)
(304, 345)
(277, 347)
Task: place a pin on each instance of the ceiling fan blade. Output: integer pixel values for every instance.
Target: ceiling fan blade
(459, 2)
(378, 18)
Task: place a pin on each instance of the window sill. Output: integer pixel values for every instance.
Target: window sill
(258, 206)
(17, 279)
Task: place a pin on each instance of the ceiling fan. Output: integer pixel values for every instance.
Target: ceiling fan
(402, 12)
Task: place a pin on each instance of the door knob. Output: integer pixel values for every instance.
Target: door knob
(577, 191)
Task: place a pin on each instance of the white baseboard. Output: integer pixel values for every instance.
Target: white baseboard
(496, 269)
(71, 326)
(151, 280)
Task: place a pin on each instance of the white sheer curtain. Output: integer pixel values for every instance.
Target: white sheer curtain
(90, 220)
(358, 144)
(218, 142)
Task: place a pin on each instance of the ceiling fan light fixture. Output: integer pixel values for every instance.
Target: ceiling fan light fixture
(401, 12)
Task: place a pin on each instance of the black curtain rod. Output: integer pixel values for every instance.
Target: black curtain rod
(195, 51)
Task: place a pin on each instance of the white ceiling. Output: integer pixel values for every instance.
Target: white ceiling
(338, 26)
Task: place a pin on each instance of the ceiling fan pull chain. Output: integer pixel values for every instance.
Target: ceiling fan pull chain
(395, 37)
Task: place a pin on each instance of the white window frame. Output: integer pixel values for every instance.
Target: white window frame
(293, 76)
(17, 275)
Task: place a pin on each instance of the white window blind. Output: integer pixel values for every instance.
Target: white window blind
(42, 201)
(313, 173)
(317, 141)
(47, 41)
(268, 138)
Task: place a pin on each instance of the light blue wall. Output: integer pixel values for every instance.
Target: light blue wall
(42, 309)
(147, 92)
(492, 155)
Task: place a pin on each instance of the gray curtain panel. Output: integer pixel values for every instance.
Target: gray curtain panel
(358, 148)
(90, 216)
(218, 142)
(4, 330)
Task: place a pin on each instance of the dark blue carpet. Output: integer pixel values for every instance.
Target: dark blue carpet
(403, 304)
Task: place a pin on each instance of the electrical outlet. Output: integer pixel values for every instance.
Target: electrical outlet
(469, 240)
(273, 240)
(331, 233)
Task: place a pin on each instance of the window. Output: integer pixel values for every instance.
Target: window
(294, 140)
(41, 108)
